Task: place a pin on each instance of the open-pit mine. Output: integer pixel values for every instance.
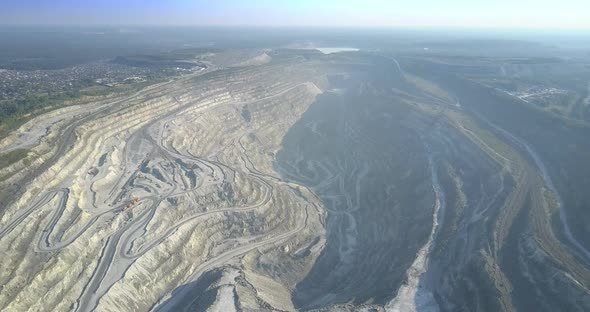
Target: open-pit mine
(290, 179)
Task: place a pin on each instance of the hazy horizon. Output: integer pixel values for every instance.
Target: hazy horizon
(502, 14)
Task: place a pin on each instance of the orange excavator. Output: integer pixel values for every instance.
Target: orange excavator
(132, 202)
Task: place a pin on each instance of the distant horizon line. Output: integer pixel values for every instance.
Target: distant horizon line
(361, 27)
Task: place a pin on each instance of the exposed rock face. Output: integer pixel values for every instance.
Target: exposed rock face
(303, 182)
(361, 155)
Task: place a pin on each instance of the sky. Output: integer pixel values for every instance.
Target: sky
(543, 14)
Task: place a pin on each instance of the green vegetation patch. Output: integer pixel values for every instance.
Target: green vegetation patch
(13, 156)
(18, 107)
(14, 113)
